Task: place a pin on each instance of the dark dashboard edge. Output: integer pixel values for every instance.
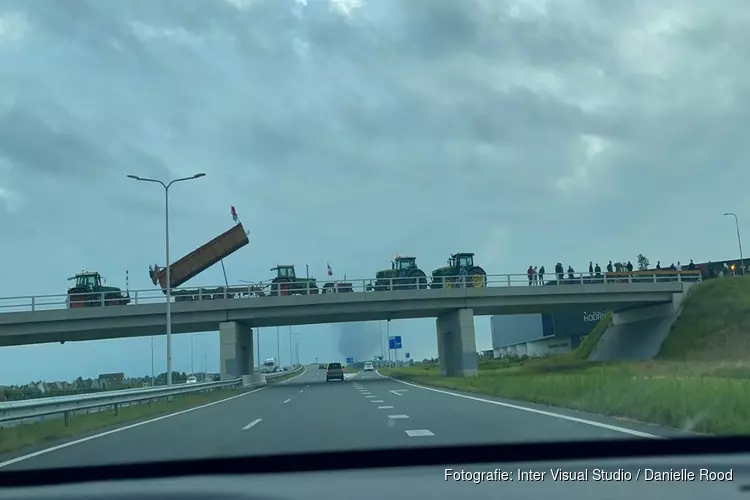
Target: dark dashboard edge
(367, 459)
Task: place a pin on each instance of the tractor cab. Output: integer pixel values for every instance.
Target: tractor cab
(404, 263)
(87, 280)
(285, 272)
(461, 260)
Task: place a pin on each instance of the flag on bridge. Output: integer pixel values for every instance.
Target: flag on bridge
(234, 214)
(330, 272)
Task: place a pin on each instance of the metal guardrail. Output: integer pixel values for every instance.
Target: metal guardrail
(67, 405)
(368, 285)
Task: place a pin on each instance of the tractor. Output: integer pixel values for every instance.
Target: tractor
(459, 272)
(286, 282)
(88, 291)
(403, 275)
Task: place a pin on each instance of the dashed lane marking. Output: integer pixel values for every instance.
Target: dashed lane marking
(419, 433)
(285, 402)
(397, 417)
(385, 407)
(252, 424)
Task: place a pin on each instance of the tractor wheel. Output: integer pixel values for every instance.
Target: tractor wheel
(417, 280)
(477, 278)
(452, 282)
(77, 297)
(437, 282)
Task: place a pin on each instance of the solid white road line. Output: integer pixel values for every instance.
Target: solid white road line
(23, 458)
(304, 370)
(252, 424)
(592, 423)
(419, 433)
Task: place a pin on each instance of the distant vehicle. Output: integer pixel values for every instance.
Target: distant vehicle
(191, 380)
(369, 367)
(334, 372)
(322, 366)
(270, 366)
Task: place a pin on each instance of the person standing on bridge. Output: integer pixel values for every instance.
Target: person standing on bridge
(630, 267)
(571, 272)
(530, 273)
(541, 275)
(609, 267)
(591, 269)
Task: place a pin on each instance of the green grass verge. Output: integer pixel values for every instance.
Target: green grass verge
(714, 324)
(36, 433)
(349, 369)
(700, 381)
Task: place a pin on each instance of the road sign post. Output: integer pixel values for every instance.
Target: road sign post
(395, 344)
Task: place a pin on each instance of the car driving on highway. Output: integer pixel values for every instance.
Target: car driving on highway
(369, 367)
(334, 372)
(191, 380)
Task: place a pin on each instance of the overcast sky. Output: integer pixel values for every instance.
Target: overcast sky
(349, 131)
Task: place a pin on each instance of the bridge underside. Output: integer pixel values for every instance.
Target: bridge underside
(54, 327)
(454, 309)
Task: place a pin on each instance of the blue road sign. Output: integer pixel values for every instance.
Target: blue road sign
(394, 342)
(407, 355)
(349, 361)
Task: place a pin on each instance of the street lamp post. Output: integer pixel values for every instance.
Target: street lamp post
(295, 350)
(168, 290)
(192, 356)
(739, 239)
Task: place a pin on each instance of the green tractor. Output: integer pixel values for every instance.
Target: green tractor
(459, 272)
(88, 291)
(286, 282)
(403, 275)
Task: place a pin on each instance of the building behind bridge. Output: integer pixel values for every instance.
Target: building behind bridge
(541, 334)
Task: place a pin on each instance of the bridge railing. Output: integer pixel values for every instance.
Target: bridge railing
(369, 285)
(38, 408)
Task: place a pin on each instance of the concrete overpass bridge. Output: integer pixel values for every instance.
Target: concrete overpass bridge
(44, 319)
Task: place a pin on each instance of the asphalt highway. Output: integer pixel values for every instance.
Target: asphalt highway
(366, 411)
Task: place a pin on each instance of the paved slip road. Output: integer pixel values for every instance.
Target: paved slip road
(308, 414)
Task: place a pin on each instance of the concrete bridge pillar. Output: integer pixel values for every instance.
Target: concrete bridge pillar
(457, 347)
(235, 350)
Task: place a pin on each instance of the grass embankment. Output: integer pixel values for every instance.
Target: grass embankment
(700, 380)
(350, 369)
(37, 433)
(286, 376)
